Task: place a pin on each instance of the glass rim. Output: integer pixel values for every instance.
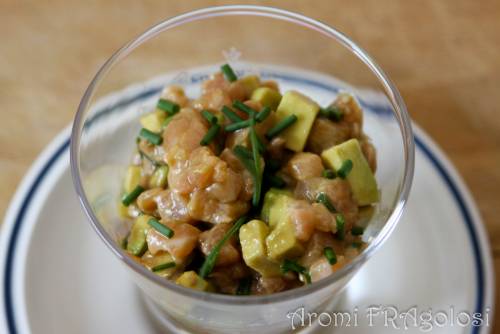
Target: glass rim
(390, 89)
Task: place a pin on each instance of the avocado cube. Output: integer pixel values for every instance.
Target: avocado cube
(123, 211)
(362, 181)
(275, 204)
(266, 96)
(153, 121)
(250, 83)
(282, 243)
(159, 179)
(294, 103)
(132, 178)
(253, 246)
(190, 279)
(137, 244)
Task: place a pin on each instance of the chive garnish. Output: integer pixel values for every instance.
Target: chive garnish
(357, 230)
(262, 115)
(209, 116)
(163, 266)
(231, 115)
(323, 199)
(210, 135)
(131, 196)
(237, 125)
(256, 159)
(330, 255)
(247, 161)
(211, 259)
(169, 107)
(243, 107)
(260, 144)
(289, 265)
(242, 150)
(228, 73)
(244, 286)
(165, 230)
(151, 160)
(282, 125)
(332, 112)
(150, 136)
(345, 168)
(328, 173)
(340, 221)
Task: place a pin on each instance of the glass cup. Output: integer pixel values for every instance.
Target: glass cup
(296, 51)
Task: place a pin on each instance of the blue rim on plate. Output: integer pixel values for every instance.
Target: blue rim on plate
(450, 183)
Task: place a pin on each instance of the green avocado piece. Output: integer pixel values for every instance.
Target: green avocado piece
(362, 181)
(190, 279)
(294, 103)
(274, 207)
(253, 248)
(137, 244)
(282, 243)
(266, 96)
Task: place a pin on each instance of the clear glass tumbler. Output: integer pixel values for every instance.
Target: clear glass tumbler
(298, 52)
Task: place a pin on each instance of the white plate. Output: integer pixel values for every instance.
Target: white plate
(58, 277)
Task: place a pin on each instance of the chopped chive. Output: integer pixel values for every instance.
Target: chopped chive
(340, 221)
(345, 168)
(260, 144)
(237, 125)
(243, 107)
(289, 265)
(209, 116)
(332, 112)
(245, 160)
(282, 125)
(210, 135)
(169, 107)
(256, 160)
(357, 244)
(330, 255)
(150, 136)
(274, 180)
(163, 266)
(323, 199)
(244, 286)
(211, 259)
(165, 230)
(328, 173)
(262, 115)
(242, 150)
(231, 115)
(357, 230)
(151, 160)
(131, 196)
(228, 73)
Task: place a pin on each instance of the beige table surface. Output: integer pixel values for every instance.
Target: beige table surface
(443, 55)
